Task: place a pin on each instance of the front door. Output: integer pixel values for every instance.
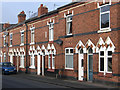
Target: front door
(90, 67)
(11, 58)
(81, 69)
(38, 65)
(14, 61)
(43, 65)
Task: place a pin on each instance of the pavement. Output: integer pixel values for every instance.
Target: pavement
(66, 83)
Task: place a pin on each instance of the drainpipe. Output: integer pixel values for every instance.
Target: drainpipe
(7, 36)
(26, 48)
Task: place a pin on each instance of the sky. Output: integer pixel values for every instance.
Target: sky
(9, 9)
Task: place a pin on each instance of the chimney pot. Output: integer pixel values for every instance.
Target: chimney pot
(41, 5)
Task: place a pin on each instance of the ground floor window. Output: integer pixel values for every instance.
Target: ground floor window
(105, 61)
(69, 58)
(51, 61)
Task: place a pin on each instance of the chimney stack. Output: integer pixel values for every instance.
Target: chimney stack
(6, 25)
(42, 10)
(21, 17)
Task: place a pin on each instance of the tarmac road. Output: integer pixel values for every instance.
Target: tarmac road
(35, 81)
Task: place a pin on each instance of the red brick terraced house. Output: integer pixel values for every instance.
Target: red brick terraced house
(78, 41)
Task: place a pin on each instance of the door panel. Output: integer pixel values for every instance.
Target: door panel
(38, 65)
(90, 68)
(81, 69)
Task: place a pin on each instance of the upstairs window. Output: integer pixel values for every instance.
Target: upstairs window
(104, 17)
(69, 58)
(51, 25)
(4, 40)
(69, 24)
(32, 35)
(11, 35)
(22, 37)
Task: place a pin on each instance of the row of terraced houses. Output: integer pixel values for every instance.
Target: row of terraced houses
(77, 41)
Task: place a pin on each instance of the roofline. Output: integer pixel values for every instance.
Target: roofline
(69, 4)
(42, 16)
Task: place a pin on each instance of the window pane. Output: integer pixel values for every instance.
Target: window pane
(22, 39)
(109, 53)
(10, 36)
(101, 64)
(69, 61)
(105, 20)
(49, 62)
(32, 37)
(21, 61)
(70, 18)
(110, 64)
(50, 34)
(101, 53)
(22, 32)
(90, 50)
(67, 50)
(71, 50)
(53, 62)
(81, 50)
(105, 8)
(31, 60)
(82, 62)
(70, 27)
(10, 42)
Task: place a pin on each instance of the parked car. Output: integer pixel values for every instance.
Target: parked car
(7, 68)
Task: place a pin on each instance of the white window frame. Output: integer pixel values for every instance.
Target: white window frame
(4, 40)
(32, 62)
(99, 60)
(67, 24)
(11, 39)
(51, 31)
(22, 35)
(107, 60)
(101, 13)
(32, 31)
(69, 54)
(22, 61)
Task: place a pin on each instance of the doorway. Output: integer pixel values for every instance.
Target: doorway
(80, 65)
(90, 64)
(43, 65)
(38, 65)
